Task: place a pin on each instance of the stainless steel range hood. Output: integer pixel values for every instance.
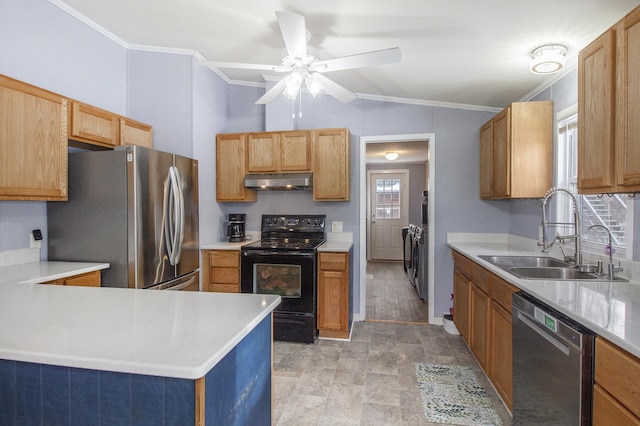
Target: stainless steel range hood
(279, 181)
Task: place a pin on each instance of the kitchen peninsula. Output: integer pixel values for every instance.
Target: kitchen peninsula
(78, 355)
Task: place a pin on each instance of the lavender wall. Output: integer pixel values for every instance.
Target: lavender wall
(43, 45)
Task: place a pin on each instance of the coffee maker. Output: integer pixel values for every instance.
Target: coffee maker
(235, 228)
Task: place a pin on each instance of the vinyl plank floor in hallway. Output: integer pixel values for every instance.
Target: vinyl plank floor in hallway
(390, 296)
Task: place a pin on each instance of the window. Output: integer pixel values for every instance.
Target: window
(388, 198)
(614, 211)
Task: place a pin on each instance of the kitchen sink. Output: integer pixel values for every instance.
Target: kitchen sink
(542, 268)
(505, 262)
(545, 273)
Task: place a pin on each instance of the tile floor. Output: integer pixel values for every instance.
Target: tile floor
(369, 380)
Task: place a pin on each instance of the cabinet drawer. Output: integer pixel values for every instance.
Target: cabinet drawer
(480, 277)
(501, 292)
(334, 261)
(619, 373)
(224, 288)
(608, 411)
(224, 275)
(224, 258)
(90, 279)
(462, 264)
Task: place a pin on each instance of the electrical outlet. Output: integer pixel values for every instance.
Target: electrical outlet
(539, 233)
(336, 226)
(35, 239)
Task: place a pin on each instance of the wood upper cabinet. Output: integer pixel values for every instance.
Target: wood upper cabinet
(608, 107)
(596, 77)
(486, 138)
(279, 151)
(231, 167)
(333, 294)
(516, 151)
(221, 271)
(135, 133)
(263, 151)
(33, 142)
(295, 151)
(93, 125)
(331, 165)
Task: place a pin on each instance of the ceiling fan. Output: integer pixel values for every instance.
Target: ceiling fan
(303, 67)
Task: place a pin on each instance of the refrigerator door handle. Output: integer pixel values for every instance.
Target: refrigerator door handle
(180, 213)
(170, 232)
(174, 232)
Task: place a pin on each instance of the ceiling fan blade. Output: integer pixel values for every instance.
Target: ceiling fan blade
(274, 92)
(294, 33)
(243, 66)
(334, 89)
(368, 59)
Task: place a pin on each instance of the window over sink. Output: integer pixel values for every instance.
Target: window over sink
(615, 211)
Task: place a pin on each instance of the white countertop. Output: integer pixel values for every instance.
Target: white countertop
(177, 334)
(39, 272)
(609, 309)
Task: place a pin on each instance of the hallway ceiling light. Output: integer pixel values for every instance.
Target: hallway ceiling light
(391, 156)
(548, 58)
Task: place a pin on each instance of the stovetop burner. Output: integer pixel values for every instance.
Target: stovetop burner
(290, 232)
(286, 243)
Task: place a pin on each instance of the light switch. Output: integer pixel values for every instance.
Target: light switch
(336, 226)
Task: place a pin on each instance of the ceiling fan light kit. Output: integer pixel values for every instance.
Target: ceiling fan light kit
(304, 67)
(548, 59)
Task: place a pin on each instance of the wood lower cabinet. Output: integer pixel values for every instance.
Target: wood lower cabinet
(479, 325)
(331, 177)
(221, 271)
(482, 314)
(33, 142)
(462, 295)
(89, 279)
(617, 375)
(333, 294)
(231, 168)
(500, 349)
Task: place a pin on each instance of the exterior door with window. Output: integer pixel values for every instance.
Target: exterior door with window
(388, 214)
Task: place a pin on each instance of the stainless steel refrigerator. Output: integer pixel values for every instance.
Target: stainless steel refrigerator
(135, 208)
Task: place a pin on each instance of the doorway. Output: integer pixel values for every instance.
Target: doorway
(374, 272)
(388, 213)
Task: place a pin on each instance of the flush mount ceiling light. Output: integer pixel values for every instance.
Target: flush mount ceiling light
(391, 155)
(548, 58)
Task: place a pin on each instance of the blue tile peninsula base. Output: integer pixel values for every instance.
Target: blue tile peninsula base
(237, 391)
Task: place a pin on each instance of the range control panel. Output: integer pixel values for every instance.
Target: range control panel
(293, 223)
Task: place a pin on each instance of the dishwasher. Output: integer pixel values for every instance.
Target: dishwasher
(552, 366)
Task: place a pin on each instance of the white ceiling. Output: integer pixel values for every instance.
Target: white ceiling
(408, 152)
(463, 52)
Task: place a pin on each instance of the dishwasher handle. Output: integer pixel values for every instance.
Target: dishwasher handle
(535, 327)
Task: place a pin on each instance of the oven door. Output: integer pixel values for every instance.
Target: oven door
(291, 275)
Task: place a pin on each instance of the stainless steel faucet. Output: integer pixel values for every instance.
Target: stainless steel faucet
(546, 245)
(611, 268)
